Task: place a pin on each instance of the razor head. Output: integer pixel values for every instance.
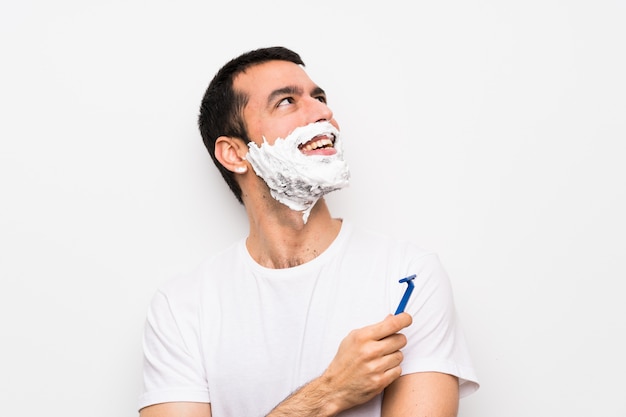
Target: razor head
(407, 293)
(408, 279)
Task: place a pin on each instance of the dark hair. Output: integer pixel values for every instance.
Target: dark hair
(221, 110)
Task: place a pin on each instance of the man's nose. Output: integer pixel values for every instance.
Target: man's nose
(319, 111)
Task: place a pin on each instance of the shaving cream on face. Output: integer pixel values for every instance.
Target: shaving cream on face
(295, 179)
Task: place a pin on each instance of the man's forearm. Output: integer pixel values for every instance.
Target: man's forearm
(314, 399)
(367, 361)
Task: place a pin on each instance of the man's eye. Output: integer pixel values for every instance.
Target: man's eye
(322, 99)
(285, 101)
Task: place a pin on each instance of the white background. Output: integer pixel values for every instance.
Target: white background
(489, 131)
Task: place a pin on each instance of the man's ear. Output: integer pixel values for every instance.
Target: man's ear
(231, 152)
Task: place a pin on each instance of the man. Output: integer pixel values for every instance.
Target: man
(296, 319)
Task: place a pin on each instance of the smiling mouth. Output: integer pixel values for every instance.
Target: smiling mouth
(318, 142)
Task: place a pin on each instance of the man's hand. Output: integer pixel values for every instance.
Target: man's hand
(367, 361)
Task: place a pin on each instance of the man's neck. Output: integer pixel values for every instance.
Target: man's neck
(281, 239)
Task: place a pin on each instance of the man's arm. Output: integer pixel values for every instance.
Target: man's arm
(181, 409)
(423, 393)
(367, 361)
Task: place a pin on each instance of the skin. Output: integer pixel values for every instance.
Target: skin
(281, 98)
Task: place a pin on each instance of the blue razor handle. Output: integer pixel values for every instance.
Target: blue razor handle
(407, 293)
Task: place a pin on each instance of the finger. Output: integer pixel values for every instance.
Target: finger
(403, 319)
(394, 342)
(390, 325)
(384, 363)
(391, 360)
(391, 366)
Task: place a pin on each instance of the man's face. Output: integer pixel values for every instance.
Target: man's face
(282, 97)
(295, 142)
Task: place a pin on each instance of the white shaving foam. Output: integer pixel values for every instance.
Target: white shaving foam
(297, 180)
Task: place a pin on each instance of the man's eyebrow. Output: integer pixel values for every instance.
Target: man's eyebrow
(318, 91)
(292, 90)
(289, 90)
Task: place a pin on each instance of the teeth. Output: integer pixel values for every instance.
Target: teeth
(320, 143)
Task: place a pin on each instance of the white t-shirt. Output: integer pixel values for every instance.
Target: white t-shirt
(243, 337)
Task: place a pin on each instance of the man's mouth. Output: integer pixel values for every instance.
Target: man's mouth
(326, 141)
